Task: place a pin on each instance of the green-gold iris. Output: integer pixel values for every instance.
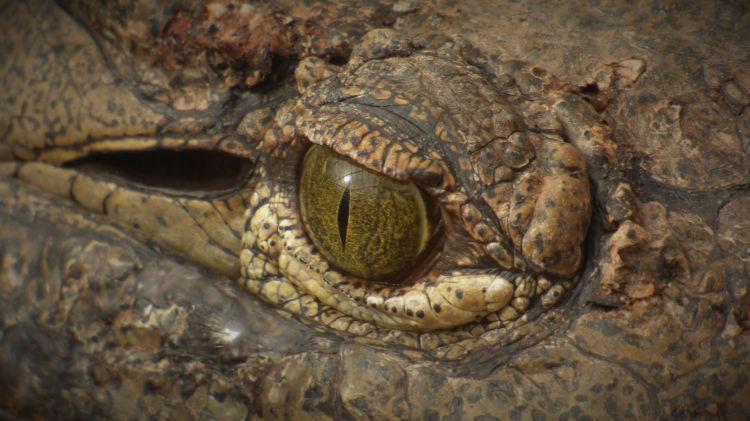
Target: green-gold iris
(366, 224)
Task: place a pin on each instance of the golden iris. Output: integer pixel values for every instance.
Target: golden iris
(364, 223)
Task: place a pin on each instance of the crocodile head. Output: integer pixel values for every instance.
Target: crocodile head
(230, 210)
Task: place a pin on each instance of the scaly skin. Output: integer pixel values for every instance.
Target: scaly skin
(119, 300)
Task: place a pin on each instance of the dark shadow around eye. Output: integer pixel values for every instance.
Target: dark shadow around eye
(187, 170)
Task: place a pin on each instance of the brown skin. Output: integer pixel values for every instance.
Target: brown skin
(96, 322)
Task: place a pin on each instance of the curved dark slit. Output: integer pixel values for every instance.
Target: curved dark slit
(343, 217)
(189, 170)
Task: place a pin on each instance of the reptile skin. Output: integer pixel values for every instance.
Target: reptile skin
(589, 160)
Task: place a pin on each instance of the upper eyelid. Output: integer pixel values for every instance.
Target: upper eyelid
(425, 171)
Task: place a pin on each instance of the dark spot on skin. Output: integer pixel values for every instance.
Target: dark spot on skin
(41, 290)
(429, 178)
(484, 290)
(430, 415)
(394, 310)
(437, 308)
(459, 294)
(610, 404)
(539, 243)
(631, 234)
(450, 289)
(481, 232)
(590, 88)
(537, 415)
(553, 259)
(373, 305)
(409, 312)
(609, 329)
(266, 225)
(469, 217)
(150, 387)
(647, 99)
(420, 314)
(219, 396)
(75, 271)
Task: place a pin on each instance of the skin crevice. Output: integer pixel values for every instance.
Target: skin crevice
(634, 374)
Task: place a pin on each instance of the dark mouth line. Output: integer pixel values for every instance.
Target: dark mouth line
(192, 170)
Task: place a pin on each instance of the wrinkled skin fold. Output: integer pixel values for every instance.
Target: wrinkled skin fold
(119, 301)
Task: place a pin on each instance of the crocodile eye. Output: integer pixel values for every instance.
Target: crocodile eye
(364, 223)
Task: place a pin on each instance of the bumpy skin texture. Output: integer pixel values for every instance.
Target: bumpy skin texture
(100, 318)
(515, 196)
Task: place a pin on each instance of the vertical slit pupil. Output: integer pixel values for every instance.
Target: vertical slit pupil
(343, 216)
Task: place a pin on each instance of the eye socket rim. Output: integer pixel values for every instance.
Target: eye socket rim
(422, 262)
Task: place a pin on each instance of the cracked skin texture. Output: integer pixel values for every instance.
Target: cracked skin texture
(103, 319)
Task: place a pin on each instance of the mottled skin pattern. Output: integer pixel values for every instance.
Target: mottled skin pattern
(515, 195)
(119, 300)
